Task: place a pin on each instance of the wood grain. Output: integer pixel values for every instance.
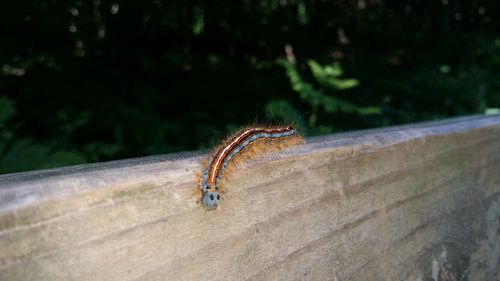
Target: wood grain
(415, 202)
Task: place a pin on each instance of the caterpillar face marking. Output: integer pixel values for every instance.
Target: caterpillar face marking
(211, 199)
(244, 141)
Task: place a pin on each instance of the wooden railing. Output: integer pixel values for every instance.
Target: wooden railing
(417, 202)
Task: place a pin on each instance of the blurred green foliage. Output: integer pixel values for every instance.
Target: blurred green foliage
(19, 154)
(87, 81)
(320, 99)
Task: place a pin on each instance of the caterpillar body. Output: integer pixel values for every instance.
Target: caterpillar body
(247, 143)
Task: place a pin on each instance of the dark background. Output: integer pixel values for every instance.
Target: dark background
(87, 81)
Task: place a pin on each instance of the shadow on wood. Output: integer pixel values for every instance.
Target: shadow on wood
(417, 202)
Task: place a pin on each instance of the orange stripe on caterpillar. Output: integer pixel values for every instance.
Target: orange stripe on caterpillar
(247, 141)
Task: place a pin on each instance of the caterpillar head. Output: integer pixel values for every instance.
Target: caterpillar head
(211, 199)
(211, 196)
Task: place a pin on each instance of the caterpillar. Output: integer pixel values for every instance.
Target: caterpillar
(246, 143)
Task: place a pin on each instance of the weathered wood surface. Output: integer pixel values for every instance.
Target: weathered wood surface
(419, 202)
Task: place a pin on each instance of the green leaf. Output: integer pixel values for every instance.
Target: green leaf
(492, 111)
(321, 72)
(328, 76)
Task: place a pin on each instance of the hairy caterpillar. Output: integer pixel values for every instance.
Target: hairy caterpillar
(247, 143)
